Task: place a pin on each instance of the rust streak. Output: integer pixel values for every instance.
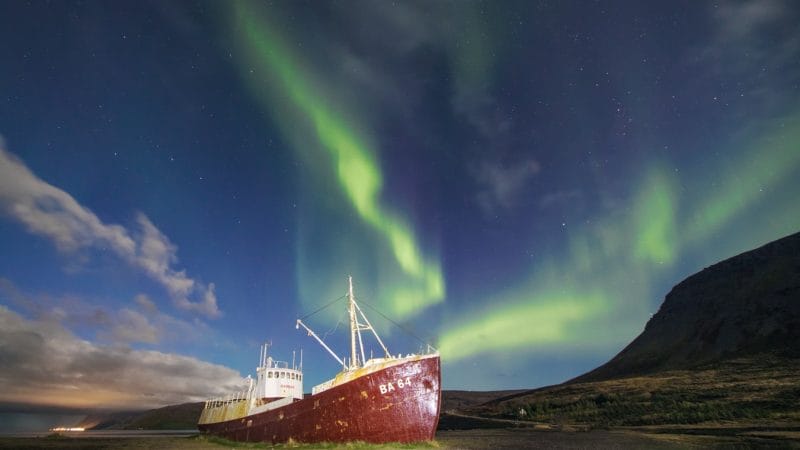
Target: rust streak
(388, 405)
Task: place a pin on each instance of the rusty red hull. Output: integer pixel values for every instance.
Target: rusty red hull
(396, 404)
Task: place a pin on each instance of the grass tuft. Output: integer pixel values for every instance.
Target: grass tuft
(292, 444)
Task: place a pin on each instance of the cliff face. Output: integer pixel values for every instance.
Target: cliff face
(746, 305)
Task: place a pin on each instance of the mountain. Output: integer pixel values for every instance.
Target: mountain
(173, 417)
(743, 306)
(724, 348)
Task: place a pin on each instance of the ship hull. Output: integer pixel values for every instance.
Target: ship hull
(399, 403)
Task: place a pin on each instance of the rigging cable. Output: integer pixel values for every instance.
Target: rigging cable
(411, 333)
(322, 307)
(333, 330)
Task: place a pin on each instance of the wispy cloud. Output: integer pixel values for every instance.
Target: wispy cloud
(143, 322)
(45, 364)
(139, 321)
(134, 326)
(501, 186)
(51, 212)
(561, 197)
(739, 20)
(757, 42)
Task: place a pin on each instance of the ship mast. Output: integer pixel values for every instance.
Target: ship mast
(354, 328)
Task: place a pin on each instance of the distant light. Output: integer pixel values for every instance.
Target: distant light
(68, 429)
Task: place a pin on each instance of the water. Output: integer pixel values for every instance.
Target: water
(14, 422)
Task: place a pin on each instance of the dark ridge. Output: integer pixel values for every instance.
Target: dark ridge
(108, 420)
(173, 417)
(455, 399)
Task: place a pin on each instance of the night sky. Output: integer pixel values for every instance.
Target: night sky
(517, 183)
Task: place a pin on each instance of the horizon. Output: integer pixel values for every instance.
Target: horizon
(519, 184)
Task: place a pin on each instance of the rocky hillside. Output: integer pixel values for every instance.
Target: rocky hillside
(743, 306)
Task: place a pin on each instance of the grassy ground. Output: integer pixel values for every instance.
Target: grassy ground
(179, 443)
(76, 441)
(747, 391)
(464, 439)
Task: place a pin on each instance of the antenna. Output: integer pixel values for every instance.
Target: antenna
(264, 350)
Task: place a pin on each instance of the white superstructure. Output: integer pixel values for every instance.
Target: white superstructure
(274, 379)
(276, 384)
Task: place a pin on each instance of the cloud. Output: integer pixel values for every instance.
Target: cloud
(144, 323)
(765, 32)
(155, 255)
(134, 326)
(558, 198)
(145, 304)
(758, 42)
(739, 20)
(45, 364)
(502, 185)
(139, 322)
(50, 212)
(11, 294)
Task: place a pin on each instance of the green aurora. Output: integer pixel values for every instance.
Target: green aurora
(596, 293)
(518, 184)
(303, 106)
